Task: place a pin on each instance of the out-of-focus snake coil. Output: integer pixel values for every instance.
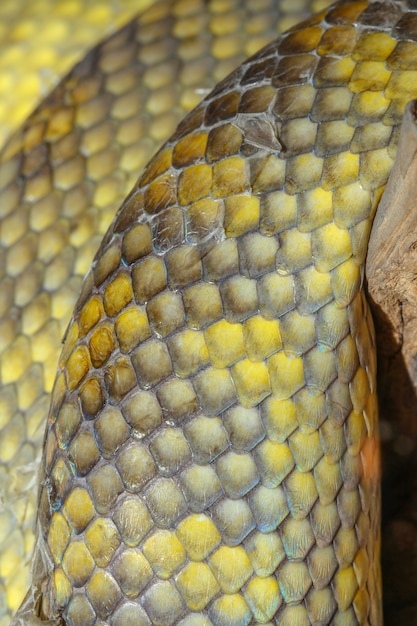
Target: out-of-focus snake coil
(211, 454)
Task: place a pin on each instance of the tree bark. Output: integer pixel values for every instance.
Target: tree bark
(391, 272)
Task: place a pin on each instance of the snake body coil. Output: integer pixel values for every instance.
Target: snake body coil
(211, 455)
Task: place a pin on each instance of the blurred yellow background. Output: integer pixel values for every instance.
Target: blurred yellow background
(40, 40)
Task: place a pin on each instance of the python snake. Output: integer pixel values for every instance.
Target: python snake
(211, 455)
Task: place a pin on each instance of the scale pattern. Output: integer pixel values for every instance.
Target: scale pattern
(62, 178)
(41, 41)
(211, 455)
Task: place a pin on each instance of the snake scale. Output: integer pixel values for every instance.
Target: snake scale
(211, 454)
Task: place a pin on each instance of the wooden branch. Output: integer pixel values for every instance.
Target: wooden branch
(391, 272)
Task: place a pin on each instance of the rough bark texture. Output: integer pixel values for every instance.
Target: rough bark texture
(392, 286)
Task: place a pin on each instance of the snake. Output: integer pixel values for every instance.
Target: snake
(211, 454)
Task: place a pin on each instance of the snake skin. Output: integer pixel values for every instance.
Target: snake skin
(62, 178)
(40, 42)
(211, 455)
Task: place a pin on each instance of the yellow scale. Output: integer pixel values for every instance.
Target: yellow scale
(256, 370)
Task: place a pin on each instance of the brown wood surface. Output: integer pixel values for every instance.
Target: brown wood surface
(392, 286)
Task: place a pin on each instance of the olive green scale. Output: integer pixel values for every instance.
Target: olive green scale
(211, 456)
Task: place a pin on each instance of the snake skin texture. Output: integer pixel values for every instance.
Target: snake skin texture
(62, 178)
(40, 42)
(211, 455)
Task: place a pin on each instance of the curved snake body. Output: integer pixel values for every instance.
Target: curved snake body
(211, 455)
